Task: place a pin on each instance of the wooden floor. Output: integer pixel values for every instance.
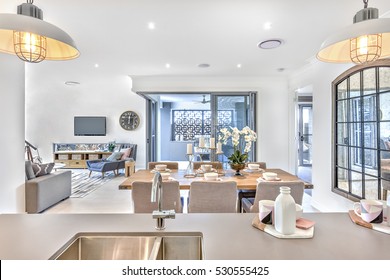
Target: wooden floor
(109, 199)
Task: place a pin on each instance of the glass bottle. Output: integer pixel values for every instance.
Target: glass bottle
(285, 217)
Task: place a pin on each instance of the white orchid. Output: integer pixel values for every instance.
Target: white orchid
(246, 134)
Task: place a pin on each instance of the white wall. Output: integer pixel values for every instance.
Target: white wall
(12, 134)
(272, 106)
(51, 106)
(320, 76)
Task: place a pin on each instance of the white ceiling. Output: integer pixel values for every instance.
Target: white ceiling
(223, 33)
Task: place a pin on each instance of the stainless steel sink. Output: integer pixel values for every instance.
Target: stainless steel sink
(133, 246)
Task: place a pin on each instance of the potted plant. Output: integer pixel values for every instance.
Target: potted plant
(111, 146)
(242, 144)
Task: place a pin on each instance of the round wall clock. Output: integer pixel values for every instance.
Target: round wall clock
(129, 120)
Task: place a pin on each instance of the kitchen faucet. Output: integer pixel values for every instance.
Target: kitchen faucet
(160, 215)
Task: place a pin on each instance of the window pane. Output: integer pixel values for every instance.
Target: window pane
(356, 184)
(371, 187)
(355, 137)
(342, 90)
(369, 81)
(342, 156)
(370, 135)
(369, 109)
(342, 111)
(384, 154)
(356, 159)
(342, 179)
(384, 112)
(384, 78)
(385, 131)
(354, 85)
(355, 109)
(370, 160)
(342, 133)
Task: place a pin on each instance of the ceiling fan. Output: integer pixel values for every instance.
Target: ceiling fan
(204, 101)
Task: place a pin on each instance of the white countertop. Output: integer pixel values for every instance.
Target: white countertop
(226, 236)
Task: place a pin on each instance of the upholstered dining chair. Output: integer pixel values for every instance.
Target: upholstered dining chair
(141, 196)
(212, 197)
(269, 191)
(169, 164)
(215, 164)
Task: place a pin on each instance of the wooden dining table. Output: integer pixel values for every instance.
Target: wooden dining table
(248, 180)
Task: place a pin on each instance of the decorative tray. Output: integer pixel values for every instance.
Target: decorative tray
(253, 170)
(383, 227)
(270, 229)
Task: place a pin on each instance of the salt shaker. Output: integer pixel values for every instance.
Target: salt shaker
(285, 217)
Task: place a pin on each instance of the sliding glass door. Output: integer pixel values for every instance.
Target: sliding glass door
(233, 110)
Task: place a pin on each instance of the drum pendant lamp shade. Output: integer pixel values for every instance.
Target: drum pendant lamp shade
(32, 39)
(367, 40)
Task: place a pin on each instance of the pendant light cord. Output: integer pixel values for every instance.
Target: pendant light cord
(30, 1)
(365, 4)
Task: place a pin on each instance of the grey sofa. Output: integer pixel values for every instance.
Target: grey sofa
(44, 191)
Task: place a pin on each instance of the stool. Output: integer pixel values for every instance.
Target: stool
(129, 168)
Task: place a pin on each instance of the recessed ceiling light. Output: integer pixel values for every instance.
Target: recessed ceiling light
(151, 25)
(71, 83)
(203, 65)
(267, 25)
(270, 44)
(96, 65)
(239, 65)
(167, 65)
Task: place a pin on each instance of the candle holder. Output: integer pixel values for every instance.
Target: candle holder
(220, 172)
(190, 171)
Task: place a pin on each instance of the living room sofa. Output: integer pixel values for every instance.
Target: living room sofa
(44, 191)
(112, 163)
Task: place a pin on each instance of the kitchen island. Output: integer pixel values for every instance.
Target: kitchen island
(226, 236)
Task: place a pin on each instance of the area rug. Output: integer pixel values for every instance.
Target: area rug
(83, 185)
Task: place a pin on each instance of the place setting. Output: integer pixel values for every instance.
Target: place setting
(268, 176)
(160, 168)
(253, 168)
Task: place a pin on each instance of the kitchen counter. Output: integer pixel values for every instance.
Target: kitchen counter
(226, 236)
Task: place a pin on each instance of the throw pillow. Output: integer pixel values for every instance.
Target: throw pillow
(126, 153)
(29, 170)
(42, 169)
(115, 156)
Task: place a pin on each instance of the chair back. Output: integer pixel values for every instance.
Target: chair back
(270, 190)
(169, 164)
(212, 197)
(215, 164)
(141, 196)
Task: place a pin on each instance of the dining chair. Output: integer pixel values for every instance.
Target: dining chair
(212, 197)
(141, 196)
(215, 164)
(269, 191)
(169, 164)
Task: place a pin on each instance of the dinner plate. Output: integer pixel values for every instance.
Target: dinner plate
(261, 179)
(161, 171)
(216, 180)
(253, 170)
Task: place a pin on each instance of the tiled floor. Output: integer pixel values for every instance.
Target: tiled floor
(109, 199)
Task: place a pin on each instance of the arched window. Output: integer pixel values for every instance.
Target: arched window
(361, 142)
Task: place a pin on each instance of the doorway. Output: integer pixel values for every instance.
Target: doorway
(305, 137)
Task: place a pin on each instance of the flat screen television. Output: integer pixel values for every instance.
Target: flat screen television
(89, 126)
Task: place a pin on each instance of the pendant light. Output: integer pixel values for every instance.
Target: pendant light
(32, 39)
(367, 40)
